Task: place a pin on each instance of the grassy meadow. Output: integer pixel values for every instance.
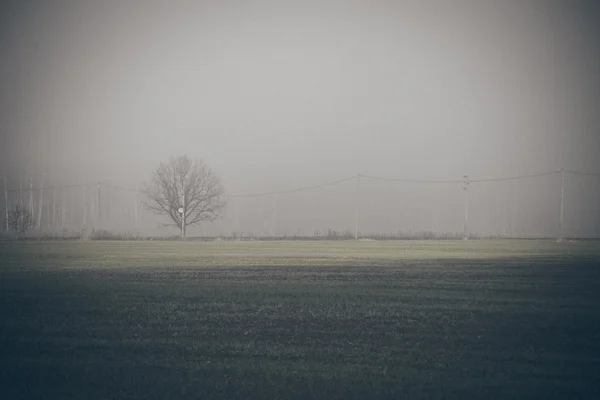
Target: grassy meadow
(299, 320)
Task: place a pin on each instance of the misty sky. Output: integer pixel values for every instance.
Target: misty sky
(281, 94)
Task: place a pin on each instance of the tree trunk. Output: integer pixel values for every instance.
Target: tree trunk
(183, 217)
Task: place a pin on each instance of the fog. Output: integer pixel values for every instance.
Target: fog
(281, 95)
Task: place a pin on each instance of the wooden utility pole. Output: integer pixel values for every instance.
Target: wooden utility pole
(63, 212)
(98, 208)
(357, 207)
(273, 219)
(31, 196)
(6, 202)
(54, 207)
(562, 203)
(466, 225)
(84, 208)
(237, 214)
(39, 218)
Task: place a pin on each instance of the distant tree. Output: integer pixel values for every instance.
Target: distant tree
(186, 191)
(20, 220)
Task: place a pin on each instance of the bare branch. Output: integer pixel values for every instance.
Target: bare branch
(20, 220)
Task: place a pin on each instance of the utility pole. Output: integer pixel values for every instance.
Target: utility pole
(84, 207)
(6, 201)
(357, 210)
(63, 209)
(39, 218)
(433, 222)
(237, 214)
(466, 225)
(31, 196)
(98, 208)
(20, 193)
(54, 207)
(273, 219)
(496, 213)
(562, 203)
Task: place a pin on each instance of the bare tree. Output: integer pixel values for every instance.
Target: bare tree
(20, 220)
(187, 191)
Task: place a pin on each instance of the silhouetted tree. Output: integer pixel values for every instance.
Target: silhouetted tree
(186, 191)
(20, 220)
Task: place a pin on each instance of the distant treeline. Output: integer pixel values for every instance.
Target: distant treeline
(331, 235)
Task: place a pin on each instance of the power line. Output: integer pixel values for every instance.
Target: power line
(291, 190)
(460, 181)
(582, 173)
(402, 180)
(409, 180)
(510, 178)
(120, 187)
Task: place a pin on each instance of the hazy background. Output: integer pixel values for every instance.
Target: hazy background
(276, 95)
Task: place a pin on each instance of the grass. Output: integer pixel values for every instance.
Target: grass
(463, 319)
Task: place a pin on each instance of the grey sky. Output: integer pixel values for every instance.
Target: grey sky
(306, 90)
(281, 94)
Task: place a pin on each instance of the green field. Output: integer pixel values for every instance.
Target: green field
(299, 320)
